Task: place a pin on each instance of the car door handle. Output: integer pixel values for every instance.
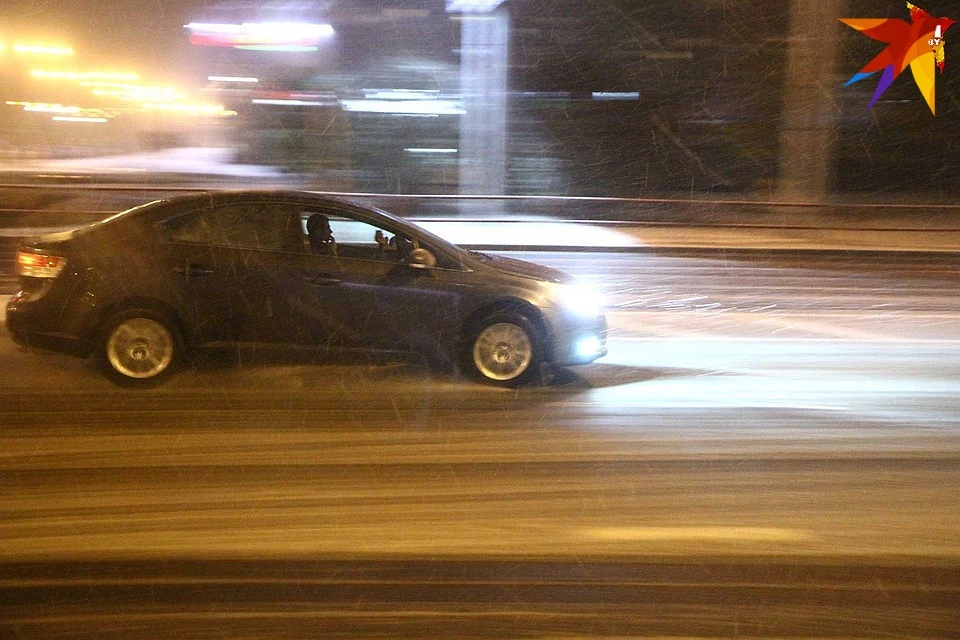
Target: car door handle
(321, 281)
(193, 270)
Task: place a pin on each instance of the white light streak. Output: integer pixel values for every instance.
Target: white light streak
(241, 79)
(426, 150)
(400, 94)
(191, 109)
(472, 6)
(50, 108)
(405, 107)
(42, 50)
(283, 48)
(282, 31)
(83, 75)
(135, 92)
(616, 95)
(78, 119)
(260, 36)
(288, 102)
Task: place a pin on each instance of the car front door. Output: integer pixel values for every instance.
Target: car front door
(365, 293)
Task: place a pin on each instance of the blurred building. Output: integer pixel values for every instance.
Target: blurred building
(532, 96)
(368, 99)
(557, 97)
(57, 103)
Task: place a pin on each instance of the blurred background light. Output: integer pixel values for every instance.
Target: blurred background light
(240, 79)
(42, 107)
(289, 102)
(472, 6)
(277, 47)
(400, 94)
(79, 119)
(262, 36)
(405, 107)
(42, 50)
(134, 92)
(186, 108)
(82, 75)
(615, 95)
(424, 150)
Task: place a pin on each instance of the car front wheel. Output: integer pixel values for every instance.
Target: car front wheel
(139, 347)
(504, 349)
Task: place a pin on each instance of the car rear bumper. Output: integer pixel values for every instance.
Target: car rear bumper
(28, 324)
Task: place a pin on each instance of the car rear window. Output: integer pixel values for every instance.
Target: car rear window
(259, 226)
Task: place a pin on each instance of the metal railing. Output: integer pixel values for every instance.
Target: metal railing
(35, 209)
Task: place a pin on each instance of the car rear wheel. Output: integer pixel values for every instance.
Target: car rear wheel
(503, 349)
(139, 347)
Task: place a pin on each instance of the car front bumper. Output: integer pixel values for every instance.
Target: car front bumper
(576, 339)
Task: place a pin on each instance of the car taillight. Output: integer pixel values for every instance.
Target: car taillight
(39, 265)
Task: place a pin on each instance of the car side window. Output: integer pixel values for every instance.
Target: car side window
(354, 239)
(190, 228)
(260, 226)
(327, 231)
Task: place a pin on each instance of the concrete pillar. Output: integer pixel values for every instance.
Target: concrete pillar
(809, 108)
(484, 45)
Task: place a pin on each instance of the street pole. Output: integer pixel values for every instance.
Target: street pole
(484, 45)
(807, 130)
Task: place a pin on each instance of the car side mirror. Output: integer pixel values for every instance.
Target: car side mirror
(422, 259)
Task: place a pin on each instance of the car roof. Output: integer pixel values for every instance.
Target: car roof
(174, 205)
(159, 209)
(278, 195)
(289, 196)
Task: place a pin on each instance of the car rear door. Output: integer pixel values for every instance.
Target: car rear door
(230, 262)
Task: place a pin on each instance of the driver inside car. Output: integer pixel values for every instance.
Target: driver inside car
(320, 235)
(398, 244)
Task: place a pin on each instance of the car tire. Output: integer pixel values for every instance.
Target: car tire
(504, 349)
(139, 347)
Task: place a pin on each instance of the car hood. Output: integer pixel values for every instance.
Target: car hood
(525, 269)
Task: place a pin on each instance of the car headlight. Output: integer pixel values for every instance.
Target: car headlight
(588, 347)
(581, 299)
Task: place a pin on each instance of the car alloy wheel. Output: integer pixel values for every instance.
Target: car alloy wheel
(503, 351)
(139, 347)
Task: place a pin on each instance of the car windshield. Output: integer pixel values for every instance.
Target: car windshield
(422, 232)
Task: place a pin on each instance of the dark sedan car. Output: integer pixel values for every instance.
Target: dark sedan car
(143, 288)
